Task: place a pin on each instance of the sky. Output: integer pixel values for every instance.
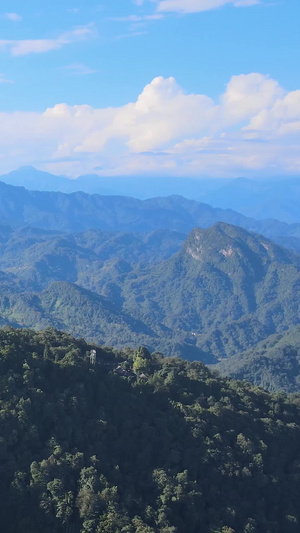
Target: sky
(196, 88)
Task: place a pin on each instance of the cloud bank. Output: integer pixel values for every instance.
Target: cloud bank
(252, 129)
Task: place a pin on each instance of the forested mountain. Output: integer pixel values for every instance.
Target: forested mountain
(273, 364)
(38, 257)
(79, 212)
(224, 291)
(215, 295)
(134, 442)
(262, 198)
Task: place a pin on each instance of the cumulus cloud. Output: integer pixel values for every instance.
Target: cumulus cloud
(253, 128)
(196, 6)
(38, 46)
(280, 119)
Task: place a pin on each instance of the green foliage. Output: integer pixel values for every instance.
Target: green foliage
(273, 364)
(85, 450)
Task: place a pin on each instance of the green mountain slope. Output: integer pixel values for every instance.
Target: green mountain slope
(221, 294)
(39, 257)
(226, 287)
(97, 448)
(273, 364)
(69, 307)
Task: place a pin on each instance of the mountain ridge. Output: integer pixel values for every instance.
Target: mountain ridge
(275, 198)
(238, 291)
(79, 211)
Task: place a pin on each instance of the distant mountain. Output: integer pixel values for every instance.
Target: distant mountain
(73, 282)
(80, 211)
(138, 187)
(224, 291)
(226, 288)
(34, 179)
(256, 198)
(273, 364)
(260, 199)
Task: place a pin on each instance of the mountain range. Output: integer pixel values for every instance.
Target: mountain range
(80, 211)
(210, 293)
(224, 291)
(275, 198)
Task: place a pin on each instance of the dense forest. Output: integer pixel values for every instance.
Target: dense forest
(225, 290)
(211, 296)
(99, 440)
(273, 364)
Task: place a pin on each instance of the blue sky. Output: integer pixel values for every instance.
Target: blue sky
(159, 87)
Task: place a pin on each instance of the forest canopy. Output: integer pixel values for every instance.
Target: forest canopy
(129, 441)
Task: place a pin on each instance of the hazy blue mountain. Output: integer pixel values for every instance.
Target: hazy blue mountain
(34, 179)
(80, 211)
(260, 199)
(256, 198)
(137, 187)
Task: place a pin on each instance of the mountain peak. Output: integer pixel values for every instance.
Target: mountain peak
(224, 242)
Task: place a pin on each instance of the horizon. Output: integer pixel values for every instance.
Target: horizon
(37, 171)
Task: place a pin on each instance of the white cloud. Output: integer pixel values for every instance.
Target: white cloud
(247, 94)
(196, 6)
(78, 69)
(14, 17)
(253, 128)
(279, 120)
(39, 46)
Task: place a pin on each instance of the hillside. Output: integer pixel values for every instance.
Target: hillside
(226, 288)
(39, 257)
(273, 364)
(165, 447)
(224, 291)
